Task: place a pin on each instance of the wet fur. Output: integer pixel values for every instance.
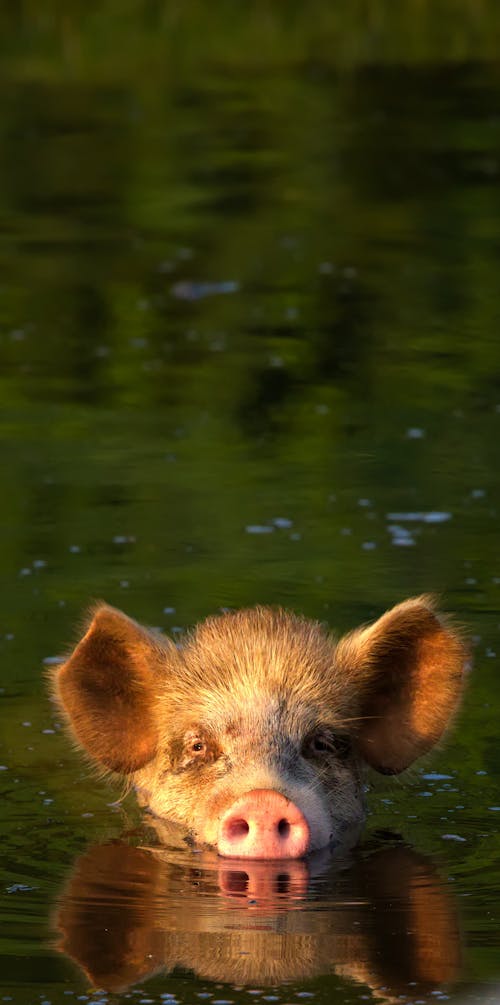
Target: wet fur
(252, 689)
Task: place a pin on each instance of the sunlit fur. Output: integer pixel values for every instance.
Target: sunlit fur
(234, 708)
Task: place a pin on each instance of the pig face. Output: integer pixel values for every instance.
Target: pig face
(254, 733)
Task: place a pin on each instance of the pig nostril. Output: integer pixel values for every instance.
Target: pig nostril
(238, 828)
(283, 828)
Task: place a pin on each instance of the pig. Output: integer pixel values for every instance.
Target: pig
(254, 734)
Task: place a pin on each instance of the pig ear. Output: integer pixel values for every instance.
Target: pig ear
(107, 690)
(409, 667)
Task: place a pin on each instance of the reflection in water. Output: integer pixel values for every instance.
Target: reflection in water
(387, 921)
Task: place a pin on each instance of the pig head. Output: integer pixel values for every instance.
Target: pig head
(253, 734)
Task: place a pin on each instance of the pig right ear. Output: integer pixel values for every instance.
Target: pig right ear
(407, 669)
(107, 690)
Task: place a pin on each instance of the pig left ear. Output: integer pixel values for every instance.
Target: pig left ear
(108, 690)
(409, 668)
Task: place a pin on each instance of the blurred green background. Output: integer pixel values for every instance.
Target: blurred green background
(249, 352)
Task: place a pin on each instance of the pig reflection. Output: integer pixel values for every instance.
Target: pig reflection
(254, 733)
(127, 913)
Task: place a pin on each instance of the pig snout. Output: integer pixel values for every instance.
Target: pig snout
(263, 824)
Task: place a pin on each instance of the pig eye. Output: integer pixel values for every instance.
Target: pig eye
(328, 743)
(194, 750)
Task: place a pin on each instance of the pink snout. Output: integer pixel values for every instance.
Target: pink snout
(263, 824)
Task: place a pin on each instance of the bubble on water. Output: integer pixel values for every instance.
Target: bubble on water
(169, 610)
(51, 660)
(415, 433)
(364, 502)
(74, 549)
(478, 494)
(435, 776)
(191, 290)
(430, 516)
(369, 545)
(401, 537)
(257, 528)
(494, 809)
(452, 837)
(282, 522)
(25, 572)
(39, 563)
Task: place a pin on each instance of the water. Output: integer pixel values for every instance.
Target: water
(248, 353)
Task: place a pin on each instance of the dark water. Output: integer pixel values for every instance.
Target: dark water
(249, 352)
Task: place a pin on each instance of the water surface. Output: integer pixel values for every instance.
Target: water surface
(248, 353)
